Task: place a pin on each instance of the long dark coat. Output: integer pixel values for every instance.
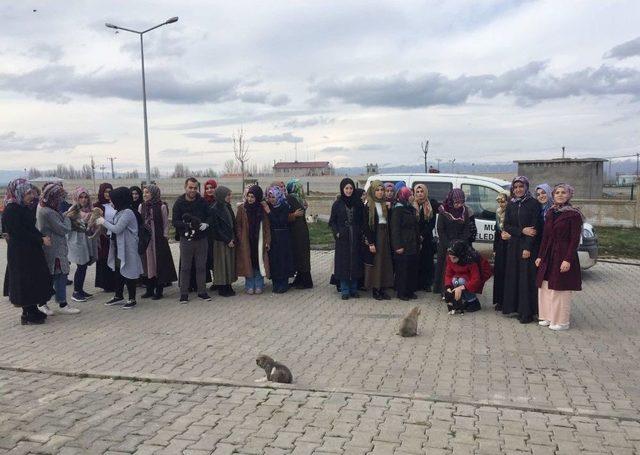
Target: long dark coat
(165, 268)
(499, 266)
(426, 267)
(560, 241)
(299, 237)
(347, 224)
(280, 255)
(520, 291)
(448, 231)
(28, 281)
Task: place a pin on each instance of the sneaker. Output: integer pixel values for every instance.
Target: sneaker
(259, 291)
(249, 291)
(67, 310)
(204, 296)
(86, 295)
(115, 301)
(46, 310)
(544, 323)
(184, 298)
(130, 304)
(559, 327)
(78, 297)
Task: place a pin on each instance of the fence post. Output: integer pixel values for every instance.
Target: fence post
(636, 218)
(308, 192)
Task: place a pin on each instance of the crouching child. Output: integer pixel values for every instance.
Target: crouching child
(465, 274)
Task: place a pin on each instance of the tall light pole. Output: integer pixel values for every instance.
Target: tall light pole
(144, 87)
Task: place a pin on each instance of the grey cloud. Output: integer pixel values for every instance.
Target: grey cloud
(45, 51)
(263, 97)
(528, 84)
(213, 137)
(304, 123)
(373, 147)
(334, 148)
(625, 50)
(13, 142)
(236, 120)
(284, 137)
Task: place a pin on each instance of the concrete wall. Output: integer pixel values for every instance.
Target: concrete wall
(587, 177)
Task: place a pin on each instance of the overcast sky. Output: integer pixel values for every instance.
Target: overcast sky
(346, 81)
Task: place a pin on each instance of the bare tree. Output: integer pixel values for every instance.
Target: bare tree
(181, 171)
(241, 151)
(229, 167)
(155, 172)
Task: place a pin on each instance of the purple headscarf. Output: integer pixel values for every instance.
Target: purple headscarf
(456, 195)
(527, 194)
(10, 195)
(281, 198)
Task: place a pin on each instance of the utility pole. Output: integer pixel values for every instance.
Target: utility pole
(563, 152)
(102, 168)
(93, 173)
(113, 172)
(438, 160)
(453, 165)
(425, 149)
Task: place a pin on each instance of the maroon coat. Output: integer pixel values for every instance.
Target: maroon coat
(560, 240)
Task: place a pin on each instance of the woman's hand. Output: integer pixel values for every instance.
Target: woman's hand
(505, 235)
(526, 254)
(298, 213)
(372, 249)
(457, 292)
(231, 244)
(267, 247)
(400, 251)
(538, 261)
(565, 266)
(46, 241)
(100, 221)
(529, 231)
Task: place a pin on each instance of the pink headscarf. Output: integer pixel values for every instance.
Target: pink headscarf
(85, 212)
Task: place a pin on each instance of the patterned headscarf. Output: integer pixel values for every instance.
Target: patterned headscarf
(85, 212)
(294, 188)
(52, 195)
(277, 192)
(456, 195)
(527, 194)
(389, 186)
(10, 195)
(500, 211)
(152, 205)
(549, 192)
(423, 204)
(214, 184)
(372, 199)
(403, 196)
(565, 207)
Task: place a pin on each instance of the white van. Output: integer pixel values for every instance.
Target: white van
(481, 193)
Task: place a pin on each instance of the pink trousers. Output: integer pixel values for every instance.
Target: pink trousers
(554, 306)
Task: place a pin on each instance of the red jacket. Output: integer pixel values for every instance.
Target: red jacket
(560, 240)
(470, 272)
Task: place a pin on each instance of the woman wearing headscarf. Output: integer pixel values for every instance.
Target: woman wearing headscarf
(281, 265)
(522, 222)
(544, 195)
(378, 269)
(55, 225)
(426, 211)
(404, 243)
(346, 223)
(157, 261)
(136, 195)
(253, 232)
(105, 277)
(558, 266)
(299, 235)
(28, 280)
(500, 242)
(454, 223)
(223, 223)
(83, 251)
(209, 195)
(123, 250)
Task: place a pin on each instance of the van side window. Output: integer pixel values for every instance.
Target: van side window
(481, 199)
(437, 190)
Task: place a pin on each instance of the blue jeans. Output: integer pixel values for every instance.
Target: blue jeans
(466, 295)
(254, 282)
(79, 277)
(348, 287)
(60, 286)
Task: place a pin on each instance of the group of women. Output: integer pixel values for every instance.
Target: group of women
(384, 240)
(536, 253)
(126, 234)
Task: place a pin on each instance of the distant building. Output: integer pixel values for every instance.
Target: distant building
(586, 175)
(372, 169)
(302, 168)
(627, 179)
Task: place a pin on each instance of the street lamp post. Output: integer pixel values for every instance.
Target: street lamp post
(144, 87)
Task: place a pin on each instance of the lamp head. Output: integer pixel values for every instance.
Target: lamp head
(110, 25)
(172, 20)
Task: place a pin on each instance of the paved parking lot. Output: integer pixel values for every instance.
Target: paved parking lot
(479, 382)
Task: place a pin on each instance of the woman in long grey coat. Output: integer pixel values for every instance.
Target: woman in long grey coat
(223, 222)
(123, 250)
(56, 226)
(83, 251)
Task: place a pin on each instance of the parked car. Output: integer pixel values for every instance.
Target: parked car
(481, 195)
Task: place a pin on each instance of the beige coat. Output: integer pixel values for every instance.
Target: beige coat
(243, 250)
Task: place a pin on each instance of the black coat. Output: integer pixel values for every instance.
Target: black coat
(197, 208)
(426, 267)
(520, 290)
(404, 230)
(347, 225)
(28, 281)
(299, 237)
(280, 254)
(448, 231)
